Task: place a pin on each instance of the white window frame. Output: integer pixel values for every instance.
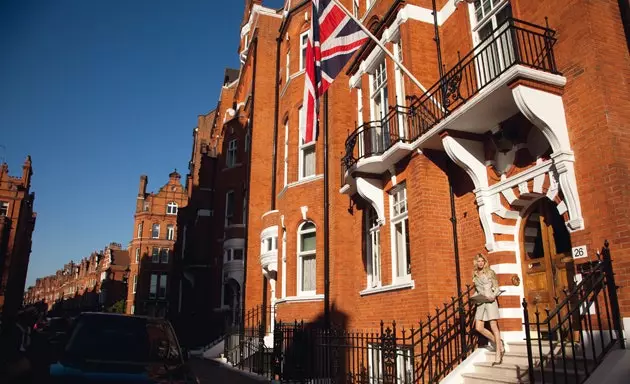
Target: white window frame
(303, 46)
(137, 255)
(400, 89)
(155, 256)
(171, 208)
(229, 216)
(300, 254)
(355, 8)
(287, 66)
(153, 286)
(167, 252)
(153, 226)
(303, 148)
(399, 215)
(162, 283)
(379, 89)
(133, 309)
(4, 206)
(135, 284)
(286, 152)
(140, 229)
(372, 238)
(230, 159)
(228, 254)
(170, 232)
(486, 68)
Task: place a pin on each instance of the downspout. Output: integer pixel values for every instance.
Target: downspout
(326, 221)
(274, 150)
(437, 41)
(624, 10)
(254, 50)
(458, 277)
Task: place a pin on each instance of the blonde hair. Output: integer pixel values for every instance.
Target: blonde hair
(486, 270)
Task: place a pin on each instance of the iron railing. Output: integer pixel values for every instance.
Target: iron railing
(511, 43)
(568, 342)
(445, 339)
(245, 343)
(307, 352)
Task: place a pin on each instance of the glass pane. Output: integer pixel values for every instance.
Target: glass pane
(504, 14)
(309, 161)
(307, 242)
(238, 254)
(162, 293)
(153, 286)
(308, 273)
(401, 266)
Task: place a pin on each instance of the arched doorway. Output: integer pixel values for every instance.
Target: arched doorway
(547, 265)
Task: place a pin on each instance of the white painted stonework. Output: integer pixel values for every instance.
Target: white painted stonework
(372, 191)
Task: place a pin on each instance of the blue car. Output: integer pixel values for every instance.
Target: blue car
(114, 348)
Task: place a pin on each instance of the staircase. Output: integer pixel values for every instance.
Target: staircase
(514, 368)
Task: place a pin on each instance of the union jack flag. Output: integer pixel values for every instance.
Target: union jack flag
(332, 40)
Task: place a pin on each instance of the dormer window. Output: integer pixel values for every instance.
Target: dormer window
(171, 208)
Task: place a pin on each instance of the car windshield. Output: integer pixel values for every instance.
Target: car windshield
(124, 339)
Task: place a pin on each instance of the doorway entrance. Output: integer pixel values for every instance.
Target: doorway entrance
(547, 265)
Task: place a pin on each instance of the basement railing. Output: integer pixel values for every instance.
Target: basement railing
(515, 42)
(566, 344)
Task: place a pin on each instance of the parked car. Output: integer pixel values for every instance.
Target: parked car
(106, 347)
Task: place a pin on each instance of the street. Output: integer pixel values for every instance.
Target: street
(210, 371)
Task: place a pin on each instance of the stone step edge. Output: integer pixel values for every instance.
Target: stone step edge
(481, 376)
(512, 366)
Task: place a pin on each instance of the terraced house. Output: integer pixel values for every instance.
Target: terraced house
(508, 139)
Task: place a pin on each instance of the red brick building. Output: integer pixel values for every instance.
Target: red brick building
(510, 140)
(17, 223)
(94, 283)
(151, 247)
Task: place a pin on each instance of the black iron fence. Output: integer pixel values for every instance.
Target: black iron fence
(511, 43)
(246, 345)
(426, 354)
(569, 341)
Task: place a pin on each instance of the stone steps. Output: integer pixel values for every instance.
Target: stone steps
(514, 368)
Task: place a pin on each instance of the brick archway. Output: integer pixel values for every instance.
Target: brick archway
(515, 201)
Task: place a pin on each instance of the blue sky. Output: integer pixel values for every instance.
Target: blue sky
(99, 92)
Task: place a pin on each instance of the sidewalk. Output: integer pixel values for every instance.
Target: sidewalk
(210, 371)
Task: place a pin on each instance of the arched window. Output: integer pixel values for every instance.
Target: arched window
(306, 259)
(171, 208)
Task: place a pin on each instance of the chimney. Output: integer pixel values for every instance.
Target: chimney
(142, 190)
(27, 172)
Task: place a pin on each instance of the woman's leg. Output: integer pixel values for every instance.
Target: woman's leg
(480, 327)
(497, 334)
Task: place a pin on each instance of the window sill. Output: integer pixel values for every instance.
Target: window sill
(300, 299)
(305, 180)
(392, 287)
(229, 226)
(227, 168)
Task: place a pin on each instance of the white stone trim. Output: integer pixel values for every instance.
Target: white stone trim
(511, 290)
(506, 268)
(234, 243)
(511, 313)
(269, 232)
(300, 299)
(305, 180)
(388, 288)
(372, 191)
(268, 213)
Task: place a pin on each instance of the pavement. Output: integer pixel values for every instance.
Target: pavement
(211, 371)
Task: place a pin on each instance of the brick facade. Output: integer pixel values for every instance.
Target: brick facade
(17, 223)
(96, 282)
(150, 289)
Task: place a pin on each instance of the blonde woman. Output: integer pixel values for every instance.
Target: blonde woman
(486, 284)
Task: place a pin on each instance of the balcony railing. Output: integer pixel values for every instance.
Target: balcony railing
(515, 42)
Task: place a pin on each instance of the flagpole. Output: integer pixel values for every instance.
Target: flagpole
(382, 46)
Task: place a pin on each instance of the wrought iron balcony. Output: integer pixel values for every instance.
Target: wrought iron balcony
(515, 42)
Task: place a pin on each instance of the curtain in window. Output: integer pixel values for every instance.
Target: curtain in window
(308, 273)
(309, 161)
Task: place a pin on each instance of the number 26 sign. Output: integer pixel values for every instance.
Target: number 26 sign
(579, 252)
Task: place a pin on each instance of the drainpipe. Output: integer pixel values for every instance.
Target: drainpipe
(437, 41)
(326, 221)
(274, 150)
(624, 10)
(253, 50)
